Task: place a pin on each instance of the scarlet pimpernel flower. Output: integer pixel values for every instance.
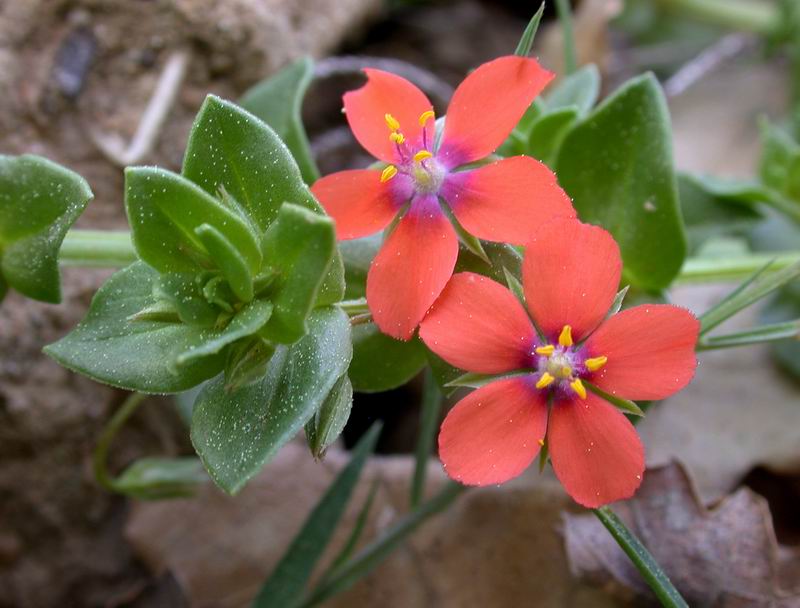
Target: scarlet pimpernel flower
(571, 272)
(421, 181)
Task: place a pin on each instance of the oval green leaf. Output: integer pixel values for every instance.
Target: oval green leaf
(236, 432)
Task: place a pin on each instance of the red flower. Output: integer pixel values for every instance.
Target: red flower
(570, 273)
(502, 201)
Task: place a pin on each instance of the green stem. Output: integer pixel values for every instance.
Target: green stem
(734, 268)
(645, 563)
(741, 15)
(97, 249)
(100, 456)
(429, 416)
(373, 554)
(355, 307)
(570, 50)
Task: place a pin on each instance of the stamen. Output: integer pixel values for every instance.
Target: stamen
(578, 387)
(545, 350)
(422, 155)
(541, 442)
(595, 363)
(388, 173)
(425, 117)
(545, 381)
(391, 122)
(397, 138)
(565, 339)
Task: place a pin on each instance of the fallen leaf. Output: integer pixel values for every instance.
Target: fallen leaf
(724, 556)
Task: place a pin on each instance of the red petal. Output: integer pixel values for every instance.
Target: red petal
(487, 105)
(595, 451)
(650, 350)
(358, 201)
(571, 273)
(386, 93)
(493, 434)
(478, 325)
(411, 269)
(508, 200)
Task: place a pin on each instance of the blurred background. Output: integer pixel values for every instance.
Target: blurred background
(75, 79)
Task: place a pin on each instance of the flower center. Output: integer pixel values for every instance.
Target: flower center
(560, 368)
(419, 164)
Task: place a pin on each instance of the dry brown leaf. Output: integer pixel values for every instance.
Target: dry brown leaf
(725, 556)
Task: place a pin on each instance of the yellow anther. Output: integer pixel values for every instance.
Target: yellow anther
(388, 173)
(595, 363)
(425, 117)
(391, 122)
(578, 387)
(545, 381)
(545, 350)
(422, 155)
(397, 138)
(541, 442)
(565, 339)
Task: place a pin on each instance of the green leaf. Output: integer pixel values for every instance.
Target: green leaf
(247, 362)
(548, 132)
(236, 432)
(182, 293)
(165, 210)
(39, 201)
(278, 101)
(324, 427)
(381, 363)
(287, 584)
(757, 287)
(779, 158)
(160, 478)
(109, 347)
(246, 322)
(526, 41)
(231, 149)
(230, 261)
(428, 424)
(617, 166)
(579, 89)
(358, 255)
(783, 306)
(299, 246)
(712, 208)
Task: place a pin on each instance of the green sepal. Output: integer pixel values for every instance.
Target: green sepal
(325, 426)
(526, 41)
(236, 432)
(246, 322)
(229, 260)
(299, 246)
(39, 201)
(135, 355)
(164, 211)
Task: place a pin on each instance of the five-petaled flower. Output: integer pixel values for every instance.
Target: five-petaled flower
(501, 201)
(571, 272)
